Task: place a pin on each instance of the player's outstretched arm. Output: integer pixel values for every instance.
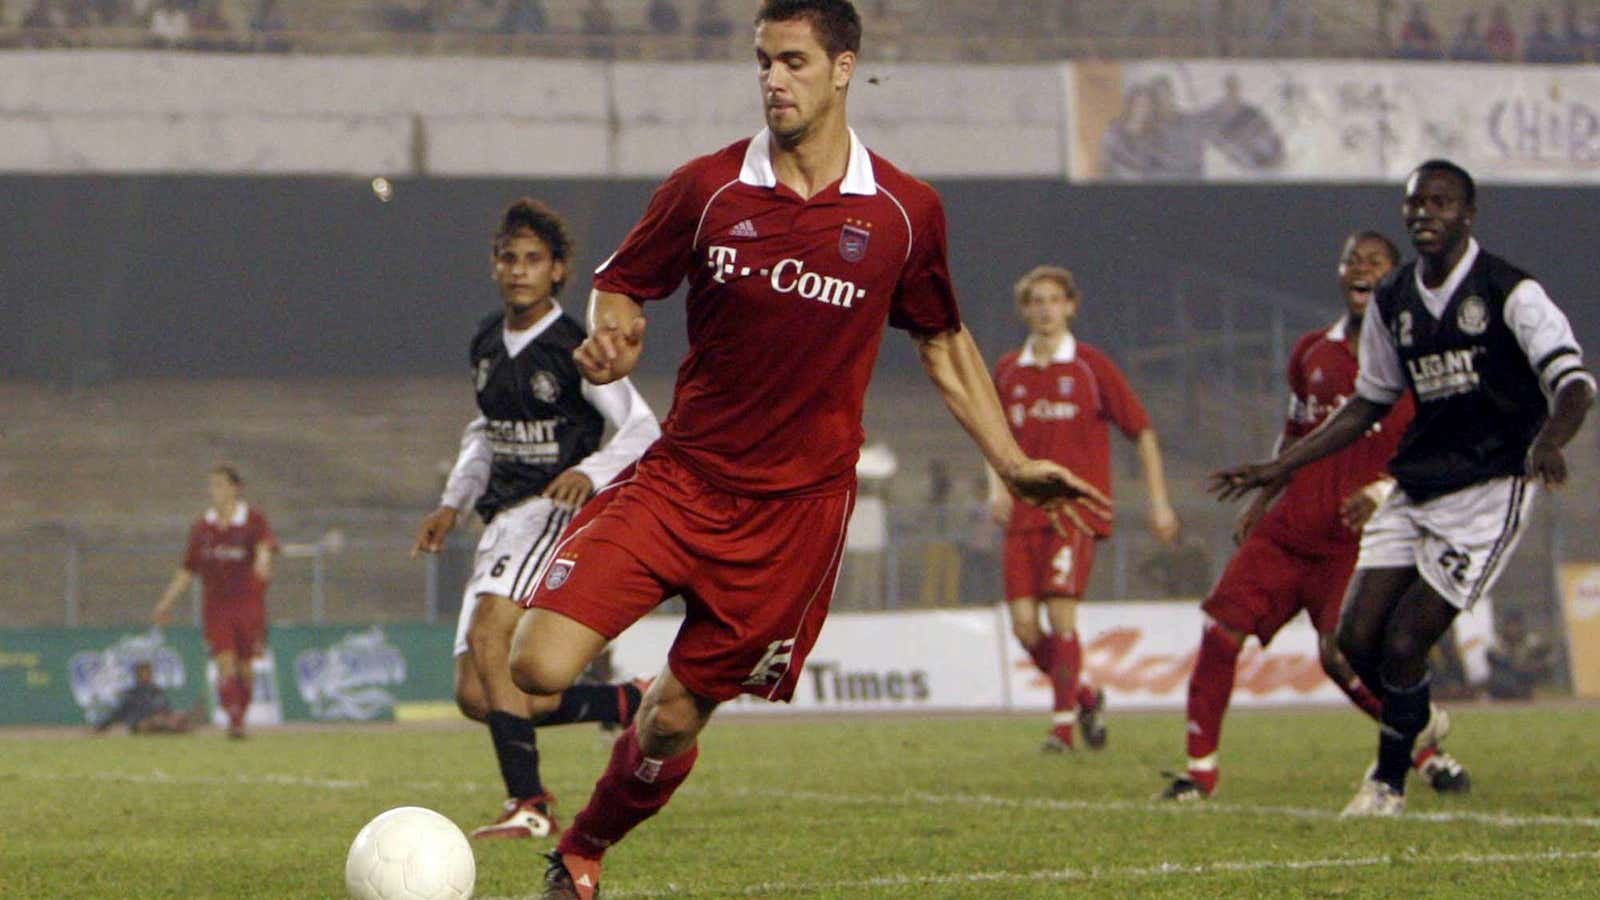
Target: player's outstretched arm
(1545, 460)
(616, 338)
(956, 367)
(1336, 432)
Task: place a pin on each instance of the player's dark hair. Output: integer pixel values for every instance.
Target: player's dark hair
(1469, 188)
(528, 214)
(836, 22)
(228, 472)
(1058, 274)
(1370, 235)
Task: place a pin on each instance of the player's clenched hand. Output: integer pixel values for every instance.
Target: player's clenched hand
(1546, 463)
(611, 351)
(570, 489)
(1357, 508)
(1164, 523)
(1231, 484)
(1000, 509)
(434, 527)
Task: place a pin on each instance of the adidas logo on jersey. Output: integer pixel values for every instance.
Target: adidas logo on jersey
(745, 229)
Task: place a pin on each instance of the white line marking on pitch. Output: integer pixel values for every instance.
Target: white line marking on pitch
(909, 798)
(1162, 870)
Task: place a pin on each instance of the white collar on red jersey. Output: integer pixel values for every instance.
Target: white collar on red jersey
(1066, 351)
(241, 513)
(757, 170)
(1339, 330)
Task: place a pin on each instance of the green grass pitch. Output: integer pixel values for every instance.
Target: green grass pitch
(895, 807)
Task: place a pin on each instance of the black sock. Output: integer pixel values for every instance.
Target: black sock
(515, 747)
(1405, 714)
(595, 703)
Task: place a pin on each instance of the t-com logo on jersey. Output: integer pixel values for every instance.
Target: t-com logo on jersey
(789, 276)
(1044, 410)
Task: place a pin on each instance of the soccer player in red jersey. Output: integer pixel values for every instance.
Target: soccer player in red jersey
(1061, 396)
(798, 244)
(1298, 552)
(231, 548)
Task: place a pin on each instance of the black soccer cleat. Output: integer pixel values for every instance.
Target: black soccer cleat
(1181, 789)
(1446, 775)
(1091, 718)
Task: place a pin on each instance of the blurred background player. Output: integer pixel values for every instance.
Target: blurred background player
(230, 547)
(1061, 396)
(799, 246)
(1500, 388)
(145, 709)
(527, 462)
(1298, 552)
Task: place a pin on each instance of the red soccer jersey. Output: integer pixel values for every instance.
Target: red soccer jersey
(1062, 409)
(223, 554)
(1322, 376)
(786, 308)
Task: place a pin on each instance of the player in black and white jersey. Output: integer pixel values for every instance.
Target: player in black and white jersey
(1501, 388)
(527, 462)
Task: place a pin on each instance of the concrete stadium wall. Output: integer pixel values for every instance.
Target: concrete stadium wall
(197, 276)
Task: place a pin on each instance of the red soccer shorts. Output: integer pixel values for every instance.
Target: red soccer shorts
(1040, 563)
(237, 626)
(1266, 584)
(756, 575)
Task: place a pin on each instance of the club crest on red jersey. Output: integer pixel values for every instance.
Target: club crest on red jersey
(853, 240)
(1064, 384)
(560, 571)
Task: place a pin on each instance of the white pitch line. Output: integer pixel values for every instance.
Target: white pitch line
(1162, 870)
(1494, 819)
(1210, 807)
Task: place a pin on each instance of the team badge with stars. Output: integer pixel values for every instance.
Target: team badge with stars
(560, 571)
(853, 239)
(545, 387)
(1474, 316)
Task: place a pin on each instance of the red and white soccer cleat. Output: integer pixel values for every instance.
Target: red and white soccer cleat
(528, 818)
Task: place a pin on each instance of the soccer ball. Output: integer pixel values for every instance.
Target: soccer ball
(410, 853)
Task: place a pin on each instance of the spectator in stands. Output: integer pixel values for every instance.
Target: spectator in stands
(713, 27)
(663, 17)
(1418, 39)
(170, 25)
(46, 24)
(145, 709)
(523, 17)
(1500, 37)
(1468, 45)
(267, 27)
(598, 26)
(212, 30)
(1519, 660)
(1543, 46)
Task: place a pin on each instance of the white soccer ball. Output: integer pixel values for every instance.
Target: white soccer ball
(410, 853)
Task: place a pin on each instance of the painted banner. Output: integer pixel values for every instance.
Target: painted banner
(326, 673)
(1332, 121)
(1580, 605)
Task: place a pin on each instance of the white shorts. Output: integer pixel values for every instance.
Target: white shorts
(510, 554)
(1459, 542)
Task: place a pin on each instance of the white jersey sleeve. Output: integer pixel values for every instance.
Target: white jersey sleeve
(1381, 379)
(1545, 335)
(470, 475)
(633, 424)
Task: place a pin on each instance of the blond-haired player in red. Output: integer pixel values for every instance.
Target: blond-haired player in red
(1061, 398)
